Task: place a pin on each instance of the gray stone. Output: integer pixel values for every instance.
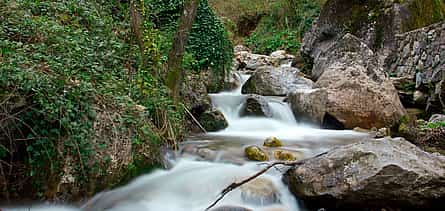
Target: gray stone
(276, 81)
(381, 172)
(213, 120)
(230, 208)
(436, 118)
(260, 191)
(436, 60)
(353, 90)
(256, 105)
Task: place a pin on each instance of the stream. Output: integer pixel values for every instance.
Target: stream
(208, 163)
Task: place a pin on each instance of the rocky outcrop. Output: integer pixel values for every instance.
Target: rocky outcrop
(371, 174)
(272, 81)
(420, 59)
(256, 105)
(376, 22)
(352, 90)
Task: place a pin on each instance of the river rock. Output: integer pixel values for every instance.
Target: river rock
(285, 155)
(273, 142)
(275, 81)
(256, 105)
(260, 191)
(255, 153)
(230, 208)
(352, 90)
(280, 57)
(213, 120)
(372, 173)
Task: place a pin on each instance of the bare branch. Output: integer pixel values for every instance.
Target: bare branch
(235, 185)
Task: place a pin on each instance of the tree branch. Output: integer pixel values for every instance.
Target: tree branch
(235, 185)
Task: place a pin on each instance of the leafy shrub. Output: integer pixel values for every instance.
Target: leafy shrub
(66, 67)
(284, 27)
(208, 46)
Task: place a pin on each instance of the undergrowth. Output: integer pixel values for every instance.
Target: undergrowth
(274, 25)
(80, 108)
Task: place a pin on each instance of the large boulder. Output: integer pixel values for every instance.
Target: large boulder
(247, 61)
(275, 81)
(256, 105)
(309, 105)
(371, 174)
(352, 90)
(376, 22)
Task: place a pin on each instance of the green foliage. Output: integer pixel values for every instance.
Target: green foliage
(284, 26)
(285, 40)
(208, 47)
(435, 125)
(62, 62)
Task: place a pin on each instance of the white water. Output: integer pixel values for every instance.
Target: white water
(193, 185)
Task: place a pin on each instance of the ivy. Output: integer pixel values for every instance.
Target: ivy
(61, 62)
(208, 48)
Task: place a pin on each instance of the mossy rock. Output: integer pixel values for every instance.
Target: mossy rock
(285, 155)
(273, 142)
(213, 120)
(255, 153)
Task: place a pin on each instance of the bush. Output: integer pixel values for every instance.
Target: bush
(71, 90)
(208, 46)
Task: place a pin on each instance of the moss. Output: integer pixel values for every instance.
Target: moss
(424, 13)
(255, 153)
(284, 155)
(273, 142)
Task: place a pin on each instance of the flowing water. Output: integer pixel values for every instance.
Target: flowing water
(208, 163)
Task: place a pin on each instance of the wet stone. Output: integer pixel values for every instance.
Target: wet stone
(260, 191)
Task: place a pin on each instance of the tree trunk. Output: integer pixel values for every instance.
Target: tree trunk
(136, 25)
(175, 72)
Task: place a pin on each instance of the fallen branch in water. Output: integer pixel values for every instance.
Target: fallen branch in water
(235, 185)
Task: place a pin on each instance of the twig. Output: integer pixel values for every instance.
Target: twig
(195, 120)
(235, 185)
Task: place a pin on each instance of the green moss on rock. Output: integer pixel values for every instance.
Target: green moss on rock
(256, 153)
